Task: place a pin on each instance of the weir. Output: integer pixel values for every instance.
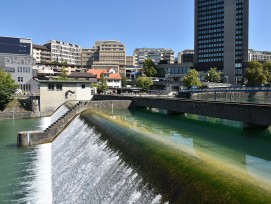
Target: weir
(29, 138)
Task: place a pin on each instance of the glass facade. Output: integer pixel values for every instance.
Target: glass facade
(221, 35)
(14, 46)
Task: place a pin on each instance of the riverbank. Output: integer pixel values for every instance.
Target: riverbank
(180, 177)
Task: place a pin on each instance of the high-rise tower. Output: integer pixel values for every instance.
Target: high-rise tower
(221, 36)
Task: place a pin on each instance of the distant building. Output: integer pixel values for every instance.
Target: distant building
(112, 78)
(105, 52)
(260, 56)
(130, 61)
(54, 93)
(41, 54)
(16, 59)
(155, 54)
(64, 52)
(221, 37)
(186, 56)
(174, 72)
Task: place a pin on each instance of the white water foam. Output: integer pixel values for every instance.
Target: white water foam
(85, 170)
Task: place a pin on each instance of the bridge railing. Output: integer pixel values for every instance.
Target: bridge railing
(229, 89)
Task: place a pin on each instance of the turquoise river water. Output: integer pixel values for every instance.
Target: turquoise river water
(81, 165)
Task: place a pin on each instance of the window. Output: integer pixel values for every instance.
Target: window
(83, 86)
(59, 87)
(51, 87)
(20, 79)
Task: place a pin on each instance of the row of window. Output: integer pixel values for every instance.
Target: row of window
(219, 15)
(214, 41)
(218, 54)
(214, 45)
(215, 35)
(23, 69)
(219, 20)
(211, 50)
(218, 25)
(219, 30)
(219, 59)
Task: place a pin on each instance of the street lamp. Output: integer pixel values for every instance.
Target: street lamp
(226, 78)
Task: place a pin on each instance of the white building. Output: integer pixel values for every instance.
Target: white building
(260, 56)
(64, 52)
(54, 93)
(155, 54)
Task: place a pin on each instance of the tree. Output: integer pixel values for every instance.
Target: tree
(192, 79)
(213, 75)
(123, 81)
(63, 74)
(255, 74)
(7, 88)
(149, 68)
(267, 69)
(144, 82)
(102, 85)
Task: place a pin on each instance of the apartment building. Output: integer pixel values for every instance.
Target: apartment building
(41, 54)
(64, 52)
(221, 36)
(104, 53)
(155, 54)
(260, 56)
(186, 56)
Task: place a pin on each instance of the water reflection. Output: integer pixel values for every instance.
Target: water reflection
(214, 140)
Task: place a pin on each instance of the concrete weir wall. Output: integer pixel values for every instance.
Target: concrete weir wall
(29, 138)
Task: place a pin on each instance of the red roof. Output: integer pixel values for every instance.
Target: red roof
(97, 72)
(114, 76)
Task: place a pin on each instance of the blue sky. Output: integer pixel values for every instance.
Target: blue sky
(136, 23)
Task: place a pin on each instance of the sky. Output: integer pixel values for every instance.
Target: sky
(136, 23)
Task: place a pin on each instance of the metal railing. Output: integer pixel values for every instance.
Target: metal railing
(229, 89)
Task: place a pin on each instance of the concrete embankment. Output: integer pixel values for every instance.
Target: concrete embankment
(29, 138)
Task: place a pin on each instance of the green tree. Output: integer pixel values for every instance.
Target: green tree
(149, 68)
(63, 74)
(192, 79)
(7, 88)
(144, 82)
(255, 74)
(102, 85)
(213, 75)
(267, 69)
(124, 81)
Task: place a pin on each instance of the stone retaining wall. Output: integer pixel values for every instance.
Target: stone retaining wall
(29, 138)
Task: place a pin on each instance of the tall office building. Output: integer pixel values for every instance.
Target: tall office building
(221, 36)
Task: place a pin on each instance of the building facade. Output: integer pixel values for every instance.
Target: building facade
(41, 54)
(259, 56)
(64, 52)
(186, 56)
(155, 54)
(221, 36)
(104, 53)
(16, 59)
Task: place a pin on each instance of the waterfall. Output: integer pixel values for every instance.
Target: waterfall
(58, 113)
(86, 170)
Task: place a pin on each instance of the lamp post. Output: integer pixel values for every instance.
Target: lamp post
(226, 78)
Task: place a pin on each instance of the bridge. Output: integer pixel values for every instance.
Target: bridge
(229, 89)
(252, 115)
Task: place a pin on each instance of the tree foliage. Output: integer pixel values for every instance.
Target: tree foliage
(255, 74)
(144, 82)
(149, 68)
(63, 74)
(267, 69)
(192, 79)
(213, 75)
(124, 81)
(102, 85)
(7, 88)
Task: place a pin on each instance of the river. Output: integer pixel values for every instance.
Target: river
(95, 160)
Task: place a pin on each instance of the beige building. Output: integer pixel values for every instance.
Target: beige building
(130, 61)
(55, 93)
(41, 54)
(260, 56)
(105, 53)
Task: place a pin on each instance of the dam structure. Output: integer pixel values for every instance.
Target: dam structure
(30, 138)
